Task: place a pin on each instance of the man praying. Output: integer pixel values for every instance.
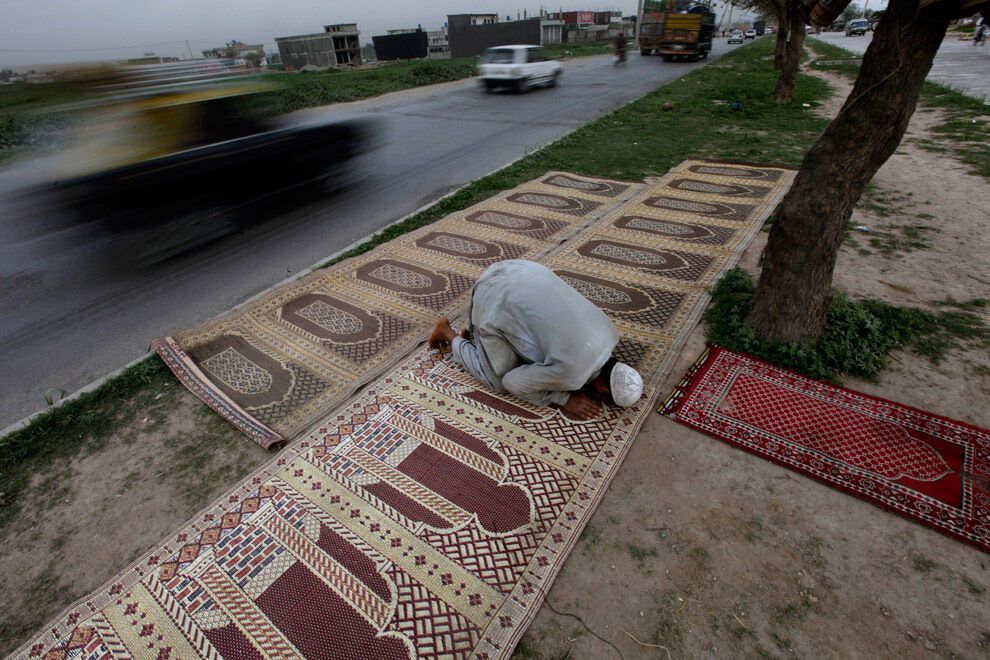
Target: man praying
(531, 334)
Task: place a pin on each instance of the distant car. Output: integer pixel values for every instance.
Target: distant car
(736, 37)
(771, 29)
(518, 67)
(857, 26)
(751, 34)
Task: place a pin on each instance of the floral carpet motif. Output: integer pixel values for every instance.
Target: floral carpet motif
(426, 517)
(930, 469)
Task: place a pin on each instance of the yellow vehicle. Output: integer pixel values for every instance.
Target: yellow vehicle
(688, 35)
(169, 153)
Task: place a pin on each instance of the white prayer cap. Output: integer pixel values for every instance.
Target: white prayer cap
(625, 384)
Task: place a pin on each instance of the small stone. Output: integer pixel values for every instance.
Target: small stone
(642, 613)
(930, 645)
(812, 599)
(668, 106)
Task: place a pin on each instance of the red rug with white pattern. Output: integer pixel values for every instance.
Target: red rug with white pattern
(931, 469)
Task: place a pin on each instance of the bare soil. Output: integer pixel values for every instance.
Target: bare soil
(698, 549)
(702, 550)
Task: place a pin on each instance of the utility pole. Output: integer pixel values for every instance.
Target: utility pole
(189, 48)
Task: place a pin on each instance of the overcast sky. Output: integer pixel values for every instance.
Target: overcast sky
(44, 25)
(90, 30)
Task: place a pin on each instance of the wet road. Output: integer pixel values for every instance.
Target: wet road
(958, 64)
(68, 321)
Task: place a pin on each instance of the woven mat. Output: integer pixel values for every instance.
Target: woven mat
(275, 366)
(929, 469)
(427, 516)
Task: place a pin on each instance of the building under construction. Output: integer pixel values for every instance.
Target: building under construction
(337, 45)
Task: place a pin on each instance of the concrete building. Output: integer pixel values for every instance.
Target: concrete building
(250, 54)
(401, 45)
(470, 34)
(337, 45)
(438, 44)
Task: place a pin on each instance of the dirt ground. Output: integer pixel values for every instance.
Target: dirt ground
(698, 549)
(702, 550)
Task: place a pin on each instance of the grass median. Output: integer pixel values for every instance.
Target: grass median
(636, 141)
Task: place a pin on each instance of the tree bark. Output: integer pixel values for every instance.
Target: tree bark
(780, 44)
(788, 57)
(794, 290)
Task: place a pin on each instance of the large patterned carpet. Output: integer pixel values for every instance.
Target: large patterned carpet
(927, 468)
(425, 517)
(276, 366)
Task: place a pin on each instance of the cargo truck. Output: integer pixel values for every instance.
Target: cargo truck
(759, 27)
(651, 26)
(688, 35)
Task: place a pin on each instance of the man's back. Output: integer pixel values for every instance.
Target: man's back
(523, 314)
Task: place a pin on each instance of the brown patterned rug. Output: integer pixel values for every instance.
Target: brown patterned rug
(274, 367)
(427, 517)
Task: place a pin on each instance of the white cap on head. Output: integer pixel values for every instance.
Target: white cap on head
(625, 384)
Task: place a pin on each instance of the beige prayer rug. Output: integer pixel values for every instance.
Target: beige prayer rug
(273, 367)
(427, 517)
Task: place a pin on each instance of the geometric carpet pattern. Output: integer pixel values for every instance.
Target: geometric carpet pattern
(930, 469)
(425, 516)
(275, 366)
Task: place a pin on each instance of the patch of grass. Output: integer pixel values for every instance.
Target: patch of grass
(306, 90)
(859, 334)
(200, 465)
(640, 554)
(84, 424)
(974, 587)
(790, 613)
(923, 564)
(591, 536)
(901, 239)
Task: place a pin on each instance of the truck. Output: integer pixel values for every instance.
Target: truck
(688, 36)
(759, 27)
(650, 26)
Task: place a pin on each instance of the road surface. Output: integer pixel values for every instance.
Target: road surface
(958, 64)
(67, 322)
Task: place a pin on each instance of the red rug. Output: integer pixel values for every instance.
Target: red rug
(930, 469)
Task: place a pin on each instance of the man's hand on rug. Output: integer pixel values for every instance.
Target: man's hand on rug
(465, 334)
(581, 406)
(442, 336)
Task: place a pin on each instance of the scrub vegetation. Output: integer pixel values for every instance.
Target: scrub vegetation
(859, 334)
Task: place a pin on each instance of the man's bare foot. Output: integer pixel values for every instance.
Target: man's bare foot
(442, 336)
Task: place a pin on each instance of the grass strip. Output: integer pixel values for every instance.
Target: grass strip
(635, 141)
(859, 334)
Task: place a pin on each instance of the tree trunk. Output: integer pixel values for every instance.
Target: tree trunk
(780, 44)
(794, 291)
(790, 55)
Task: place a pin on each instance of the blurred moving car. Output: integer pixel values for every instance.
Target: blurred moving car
(750, 34)
(857, 26)
(168, 154)
(736, 37)
(518, 67)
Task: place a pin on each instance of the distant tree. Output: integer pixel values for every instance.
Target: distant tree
(790, 18)
(5, 75)
(851, 12)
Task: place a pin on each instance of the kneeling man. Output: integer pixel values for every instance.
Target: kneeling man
(531, 334)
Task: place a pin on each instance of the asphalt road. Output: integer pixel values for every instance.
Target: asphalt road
(66, 321)
(958, 64)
